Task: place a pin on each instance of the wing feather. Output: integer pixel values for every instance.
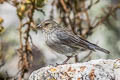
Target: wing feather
(68, 38)
(72, 40)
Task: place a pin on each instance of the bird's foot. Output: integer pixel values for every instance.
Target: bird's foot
(65, 62)
(68, 57)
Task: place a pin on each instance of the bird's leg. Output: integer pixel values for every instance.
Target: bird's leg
(76, 59)
(68, 57)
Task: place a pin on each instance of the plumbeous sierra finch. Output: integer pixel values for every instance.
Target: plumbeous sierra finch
(63, 41)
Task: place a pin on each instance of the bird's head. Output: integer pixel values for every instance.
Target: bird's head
(47, 25)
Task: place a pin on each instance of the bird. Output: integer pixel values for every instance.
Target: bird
(64, 41)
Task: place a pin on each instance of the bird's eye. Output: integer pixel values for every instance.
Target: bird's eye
(47, 24)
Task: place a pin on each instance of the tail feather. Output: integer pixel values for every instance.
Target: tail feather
(92, 46)
(95, 47)
(101, 49)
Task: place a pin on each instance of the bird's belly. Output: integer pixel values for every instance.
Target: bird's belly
(56, 45)
(63, 49)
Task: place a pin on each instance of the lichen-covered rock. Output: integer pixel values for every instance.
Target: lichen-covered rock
(92, 70)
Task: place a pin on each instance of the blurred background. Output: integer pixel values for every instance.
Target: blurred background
(23, 50)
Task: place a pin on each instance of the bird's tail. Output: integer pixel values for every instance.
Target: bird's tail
(103, 50)
(92, 46)
(100, 49)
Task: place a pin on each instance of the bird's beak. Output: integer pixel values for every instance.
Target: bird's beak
(36, 28)
(39, 26)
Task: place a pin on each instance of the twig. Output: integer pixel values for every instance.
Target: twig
(111, 11)
(64, 6)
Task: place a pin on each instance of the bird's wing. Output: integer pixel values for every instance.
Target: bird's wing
(68, 38)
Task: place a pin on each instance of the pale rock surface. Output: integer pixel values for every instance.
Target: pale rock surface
(93, 70)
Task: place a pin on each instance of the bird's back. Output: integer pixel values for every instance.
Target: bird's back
(65, 42)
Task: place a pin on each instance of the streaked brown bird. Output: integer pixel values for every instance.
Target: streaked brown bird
(63, 41)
